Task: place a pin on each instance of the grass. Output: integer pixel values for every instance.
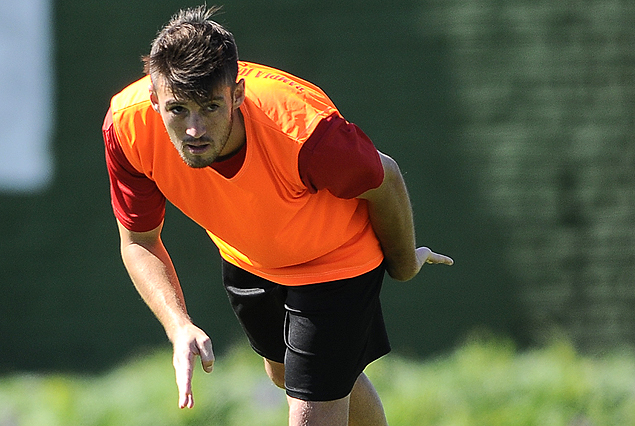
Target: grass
(484, 382)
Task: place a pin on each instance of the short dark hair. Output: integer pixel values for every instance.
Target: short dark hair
(194, 54)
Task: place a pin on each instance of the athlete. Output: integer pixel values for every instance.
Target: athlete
(307, 216)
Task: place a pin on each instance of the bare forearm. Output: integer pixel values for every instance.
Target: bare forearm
(391, 217)
(153, 274)
(399, 253)
(154, 277)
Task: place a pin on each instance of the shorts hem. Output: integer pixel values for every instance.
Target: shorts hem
(313, 397)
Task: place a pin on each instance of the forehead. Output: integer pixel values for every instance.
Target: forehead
(165, 93)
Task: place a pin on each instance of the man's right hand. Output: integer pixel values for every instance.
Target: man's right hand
(187, 343)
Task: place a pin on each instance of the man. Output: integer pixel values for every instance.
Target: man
(305, 212)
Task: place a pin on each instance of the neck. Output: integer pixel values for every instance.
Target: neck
(237, 135)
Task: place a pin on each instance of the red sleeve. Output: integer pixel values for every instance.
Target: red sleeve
(136, 201)
(339, 157)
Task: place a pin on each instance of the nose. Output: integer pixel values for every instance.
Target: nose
(195, 126)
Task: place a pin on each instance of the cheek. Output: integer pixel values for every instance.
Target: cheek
(172, 125)
(174, 133)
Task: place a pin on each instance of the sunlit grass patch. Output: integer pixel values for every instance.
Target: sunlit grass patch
(491, 383)
(483, 382)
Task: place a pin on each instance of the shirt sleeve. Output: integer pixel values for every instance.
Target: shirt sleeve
(136, 200)
(339, 157)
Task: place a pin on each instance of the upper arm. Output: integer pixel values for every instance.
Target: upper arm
(341, 158)
(392, 177)
(136, 200)
(145, 239)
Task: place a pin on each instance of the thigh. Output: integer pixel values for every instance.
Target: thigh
(333, 331)
(259, 307)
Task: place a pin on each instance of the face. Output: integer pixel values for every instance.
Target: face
(200, 133)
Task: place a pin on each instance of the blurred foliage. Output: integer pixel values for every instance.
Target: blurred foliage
(486, 381)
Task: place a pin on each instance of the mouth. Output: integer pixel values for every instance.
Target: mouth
(197, 149)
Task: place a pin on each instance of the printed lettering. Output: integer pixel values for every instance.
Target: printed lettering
(263, 74)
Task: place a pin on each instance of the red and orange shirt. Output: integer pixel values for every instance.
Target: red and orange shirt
(283, 208)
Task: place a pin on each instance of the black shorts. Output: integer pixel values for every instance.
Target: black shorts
(325, 334)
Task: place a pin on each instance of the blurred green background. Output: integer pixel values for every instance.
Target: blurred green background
(512, 122)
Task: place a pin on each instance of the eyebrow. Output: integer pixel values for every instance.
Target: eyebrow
(173, 101)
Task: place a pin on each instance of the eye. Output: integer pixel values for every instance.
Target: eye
(212, 107)
(177, 109)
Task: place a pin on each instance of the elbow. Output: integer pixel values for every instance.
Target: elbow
(402, 273)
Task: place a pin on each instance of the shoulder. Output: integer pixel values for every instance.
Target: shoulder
(340, 157)
(137, 126)
(132, 110)
(295, 105)
(135, 95)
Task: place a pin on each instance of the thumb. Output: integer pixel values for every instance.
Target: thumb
(207, 355)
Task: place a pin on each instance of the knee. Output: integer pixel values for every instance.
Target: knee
(275, 371)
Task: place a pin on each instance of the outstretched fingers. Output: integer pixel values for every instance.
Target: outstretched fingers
(428, 256)
(183, 368)
(185, 352)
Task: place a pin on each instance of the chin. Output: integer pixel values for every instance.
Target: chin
(197, 163)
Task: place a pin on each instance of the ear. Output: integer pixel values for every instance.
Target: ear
(154, 99)
(239, 93)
